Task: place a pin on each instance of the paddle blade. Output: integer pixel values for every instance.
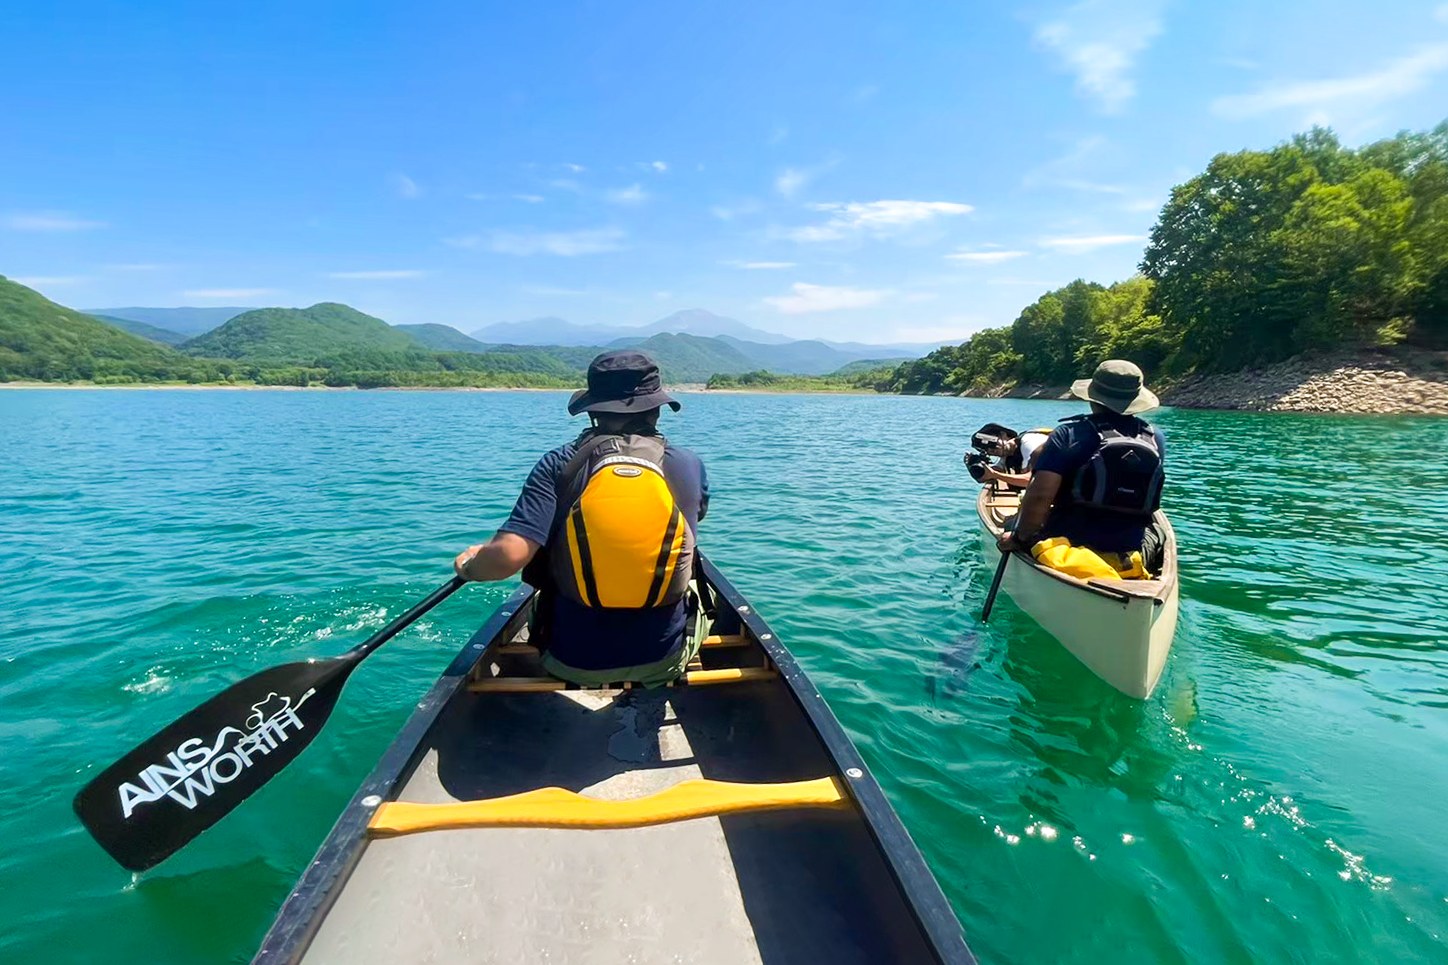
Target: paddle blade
(190, 775)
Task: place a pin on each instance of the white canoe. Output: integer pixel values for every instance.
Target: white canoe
(1120, 629)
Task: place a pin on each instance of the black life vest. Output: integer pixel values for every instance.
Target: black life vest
(619, 539)
(1125, 475)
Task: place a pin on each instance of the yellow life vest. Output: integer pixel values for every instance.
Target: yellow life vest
(624, 542)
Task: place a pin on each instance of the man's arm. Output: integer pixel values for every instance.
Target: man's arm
(1035, 507)
(1019, 480)
(497, 559)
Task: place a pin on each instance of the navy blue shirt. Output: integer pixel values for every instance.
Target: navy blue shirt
(1070, 447)
(597, 638)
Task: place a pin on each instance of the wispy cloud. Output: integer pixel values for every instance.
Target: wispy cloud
(1099, 41)
(874, 217)
(54, 221)
(1142, 205)
(228, 292)
(1072, 170)
(566, 184)
(791, 180)
(50, 281)
(865, 93)
(1320, 97)
(951, 330)
(1080, 244)
(566, 244)
(985, 257)
(1441, 14)
(778, 135)
(658, 167)
(382, 275)
(406, 188)
(525, 198)
(552, 291)
(728, 212)
(806, 299)
(759, 265)
(136, 267)
(575, 168)
(633, 194)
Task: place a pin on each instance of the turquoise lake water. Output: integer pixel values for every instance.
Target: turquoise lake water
(1280, 798)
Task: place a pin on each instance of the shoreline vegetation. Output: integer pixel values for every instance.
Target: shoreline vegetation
(1309, 277)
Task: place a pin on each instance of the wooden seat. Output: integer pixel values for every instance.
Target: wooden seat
(694, 678)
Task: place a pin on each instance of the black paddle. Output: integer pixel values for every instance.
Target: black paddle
(995, 585)
(154, 800)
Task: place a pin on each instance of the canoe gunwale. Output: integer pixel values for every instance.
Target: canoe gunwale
(933, 913)
(304, 909)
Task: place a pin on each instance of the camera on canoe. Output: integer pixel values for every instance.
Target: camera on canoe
(975, 463)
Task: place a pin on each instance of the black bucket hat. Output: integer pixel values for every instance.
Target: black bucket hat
(623, 381)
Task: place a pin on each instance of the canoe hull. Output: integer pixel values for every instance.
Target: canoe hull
(1122, 634)
(843, 881)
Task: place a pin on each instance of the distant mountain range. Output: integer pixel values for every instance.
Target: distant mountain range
(558, 331)
(185, 322)
(151, 332)
(338, 344)
(690, 345)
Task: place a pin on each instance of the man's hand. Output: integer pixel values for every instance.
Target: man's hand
(497, 559)
(1008, 543)
(989, 473)
(460, 563)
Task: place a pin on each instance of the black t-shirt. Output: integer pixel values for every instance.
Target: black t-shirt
(1069, 448)
(592, 638)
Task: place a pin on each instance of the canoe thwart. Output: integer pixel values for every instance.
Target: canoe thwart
(555, 807)
(717, 641)
(694, 678)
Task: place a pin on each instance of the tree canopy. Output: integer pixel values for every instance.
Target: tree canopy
(1264, 255)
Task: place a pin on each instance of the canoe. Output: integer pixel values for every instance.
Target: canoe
(725, 819)
(1121, 630)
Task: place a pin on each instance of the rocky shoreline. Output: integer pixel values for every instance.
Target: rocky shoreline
(1396, 381)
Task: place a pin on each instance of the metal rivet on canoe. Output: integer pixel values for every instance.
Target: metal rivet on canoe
(744, 609)
(854, 773)
(479, 646)
(371, 800)
(766, 636)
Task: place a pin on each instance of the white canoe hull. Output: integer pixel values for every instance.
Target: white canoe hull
(1121, 630)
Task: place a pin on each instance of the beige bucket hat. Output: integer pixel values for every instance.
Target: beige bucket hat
(1117, 384)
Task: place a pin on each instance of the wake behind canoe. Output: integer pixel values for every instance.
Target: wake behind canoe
(726, 820)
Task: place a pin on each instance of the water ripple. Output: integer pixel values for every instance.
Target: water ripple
(1278, 799)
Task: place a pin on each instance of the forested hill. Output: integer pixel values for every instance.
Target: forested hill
(442, 338)
(300, 335)
(1265, 255)
(326, 344)
(44, 341)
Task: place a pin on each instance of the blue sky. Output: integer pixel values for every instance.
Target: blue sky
(881, 172)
